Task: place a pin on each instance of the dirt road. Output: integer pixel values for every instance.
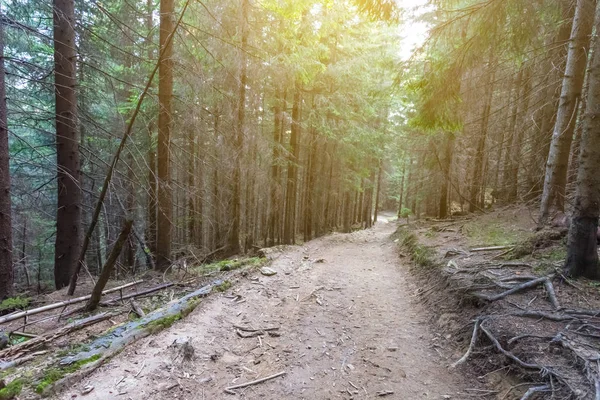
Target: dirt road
(349, 328)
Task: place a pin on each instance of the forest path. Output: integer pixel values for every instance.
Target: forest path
(349, 323)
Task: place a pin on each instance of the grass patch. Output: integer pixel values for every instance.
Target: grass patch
(13, 303)
(55, 374)
(223, 286)
(492, 233)
(421, 255)
(11, 390)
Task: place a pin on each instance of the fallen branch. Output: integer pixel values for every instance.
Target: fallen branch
(65, 303)
(491, 248)
(109, 265)
(138, 294)
(243, 385)
(245, 329)
(471, 345)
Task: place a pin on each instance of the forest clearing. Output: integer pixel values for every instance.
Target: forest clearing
(300, 199)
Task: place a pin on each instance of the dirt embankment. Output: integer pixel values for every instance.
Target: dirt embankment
(510, 315)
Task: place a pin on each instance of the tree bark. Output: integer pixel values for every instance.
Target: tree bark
(446, 168)
(6, 264)
(558, 158)
(275, 171)
(164, 218)
(582, 247)
(68, 216)
(289, 231)
(478, 165)
(238, 147)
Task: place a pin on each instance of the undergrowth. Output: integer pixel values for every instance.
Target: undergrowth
(11, 390)
(13, 303)
(54, 374)
(421, 255)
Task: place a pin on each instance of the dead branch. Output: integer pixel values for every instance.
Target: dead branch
(254, 382)
(544, 315)
(491, 248)
(53, 306)
(109, 266)
(246, 329)
(138, 294)
(471, 345)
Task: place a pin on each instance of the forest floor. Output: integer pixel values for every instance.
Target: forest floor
(350, 326)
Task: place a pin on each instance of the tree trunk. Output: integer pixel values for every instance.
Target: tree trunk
(68, 217)
(401, 195)
(558, 158)
(238, 148)
(478, 166)
(582, 254)
(378, 190)
(446, 168)
(275, 171)
(6, 264)
(164, 226)
(289, 231)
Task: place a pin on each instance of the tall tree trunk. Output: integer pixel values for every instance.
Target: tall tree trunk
(378, 190)
(164, 221)
(401, 194)
(6, 264)
(515, 153)
(558, 158)
(275, 171)
(289, 231)
(238, 148)
(582, 247)
(446, 166)
(68, 217)
(478, 166)
(191, 172)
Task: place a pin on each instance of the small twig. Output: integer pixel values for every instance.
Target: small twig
(229, 389)
(384, 393)
(140, 371)
(247, 329)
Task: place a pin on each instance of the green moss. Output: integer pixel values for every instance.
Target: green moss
(223, 286)
(163, 323)
(230, 265)
(421, 255)
(14, 303)
(11, 390)
(55, 374)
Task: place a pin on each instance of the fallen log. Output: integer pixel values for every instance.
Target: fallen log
(119, 337)
(65, 303)
(20, 349)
